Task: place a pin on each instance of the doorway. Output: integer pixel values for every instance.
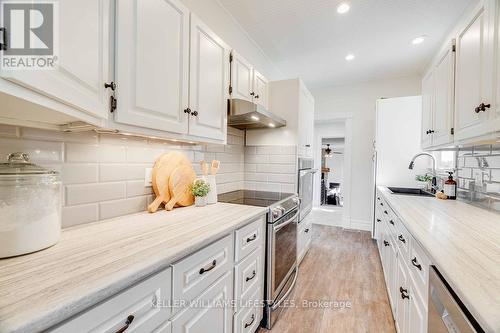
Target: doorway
(332, 164)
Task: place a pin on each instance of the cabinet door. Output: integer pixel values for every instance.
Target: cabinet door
(152, 63)
(83, 60)
(241, 78)
(305, 123)
(417, 315)
(474, 72)
(427, 109)
(207, 314)
(402, 295)
(260, 89)
(208, 83)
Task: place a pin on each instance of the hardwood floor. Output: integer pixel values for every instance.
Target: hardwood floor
(340, 266)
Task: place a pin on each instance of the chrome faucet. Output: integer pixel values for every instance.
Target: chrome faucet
(434, 179)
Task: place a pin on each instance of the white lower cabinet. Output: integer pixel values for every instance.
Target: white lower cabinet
(304, 237)
(197, 294)
(406, 269)
(208, 312)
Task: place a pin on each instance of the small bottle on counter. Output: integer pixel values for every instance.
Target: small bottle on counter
(450, 187)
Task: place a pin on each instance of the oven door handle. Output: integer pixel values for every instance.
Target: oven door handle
(284, 224)
(278, 302)
(306, 171)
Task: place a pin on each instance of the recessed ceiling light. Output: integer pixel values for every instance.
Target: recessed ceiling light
(255, 118)
(418, 40)
(271, 125)
(343, 8)
(349, 57)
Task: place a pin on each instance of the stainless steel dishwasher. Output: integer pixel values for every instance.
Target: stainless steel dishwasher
(446, 313)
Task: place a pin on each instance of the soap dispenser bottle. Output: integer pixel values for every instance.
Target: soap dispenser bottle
(450, 187)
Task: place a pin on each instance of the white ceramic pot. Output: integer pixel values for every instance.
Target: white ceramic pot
(200, 201)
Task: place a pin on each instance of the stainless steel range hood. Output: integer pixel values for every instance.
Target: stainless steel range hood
(247, 115)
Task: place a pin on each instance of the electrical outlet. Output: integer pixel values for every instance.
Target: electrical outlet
(147, 177)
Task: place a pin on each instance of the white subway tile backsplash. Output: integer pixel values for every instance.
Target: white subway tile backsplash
(137, 187)
(87, 193)
(112, 153)
(256, 177)
(110, 209)
(80, 214)
(283, 159)
(39, 151)
(289, 188)
(138, 154)
(79, 152)
(257, 158)
(116, 172)
(79, 173)
(282, 178)
(276, 168)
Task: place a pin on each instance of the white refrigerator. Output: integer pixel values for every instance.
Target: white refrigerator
(397, 140)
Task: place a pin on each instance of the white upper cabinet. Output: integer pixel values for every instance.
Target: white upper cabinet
(152, 64)
(427, 109)
(83, 60)
(305, 122)
(444, 78)
(474, 72)
(209, 82)
(241, 78)
(260, 89)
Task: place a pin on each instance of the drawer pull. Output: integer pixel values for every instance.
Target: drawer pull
(386, 243)
(203, 270)
(306, 230)
(416, 264)
(401, 238)
(251, 321)
(381, 204)
(391, 222)
(129, 321)
(379, 220)
(251, 277)
(404, 293)
(251, 239)
(385, 212)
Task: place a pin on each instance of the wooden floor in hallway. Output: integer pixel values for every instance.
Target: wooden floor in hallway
(341, 266)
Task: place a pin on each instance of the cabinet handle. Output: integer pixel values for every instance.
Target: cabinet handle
(110, 85)
(251, 239)
(378, 198)
(431, 131)
(203, 270)
(391, 222)
(386, 213)
(251, 277)
(404, 293)
(3, 35)
(379, 220)
(416, 264)
(188, 110)
(482, 107)
(256, 96)
(381, 204)
(386, 243)
(194, 113)
(252, 93)
(129, 321)
(401, 238)
(251, 322)
(427, 132)
(306, 231)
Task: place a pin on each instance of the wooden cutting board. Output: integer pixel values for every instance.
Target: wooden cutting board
(160, 176)
(180, 184)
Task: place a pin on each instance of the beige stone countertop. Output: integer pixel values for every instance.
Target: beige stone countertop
(95, 261)
(463, 242)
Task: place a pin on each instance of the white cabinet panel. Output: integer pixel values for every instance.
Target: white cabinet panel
(474, 72)
(427, 109)
(260, 89)
(305, 122)
(402, 290)
(444, 79)
(83, 62)
(212, 317)
(209, 82)
(152, 64)
(241, 78)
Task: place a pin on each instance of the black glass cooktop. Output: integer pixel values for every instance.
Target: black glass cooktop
(253, 198)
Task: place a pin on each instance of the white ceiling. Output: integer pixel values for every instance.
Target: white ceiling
(309, 39)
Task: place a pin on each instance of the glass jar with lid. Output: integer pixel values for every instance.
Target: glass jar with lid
(30, 206)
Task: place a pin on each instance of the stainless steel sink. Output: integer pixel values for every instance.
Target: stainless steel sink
(410, 191)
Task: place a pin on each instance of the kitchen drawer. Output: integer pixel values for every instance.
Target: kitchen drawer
(248, 238)
(194, 274)
(164, 328)
(248, 276)
(247, 320)
(304, 240)
(403, 239)
(112, 314)
(419, 264)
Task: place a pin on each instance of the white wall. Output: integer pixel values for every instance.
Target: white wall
(223, 24)
(336, 165)
(358, 102)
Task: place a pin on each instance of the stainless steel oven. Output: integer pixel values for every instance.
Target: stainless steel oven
(306, 186)
(281, 265)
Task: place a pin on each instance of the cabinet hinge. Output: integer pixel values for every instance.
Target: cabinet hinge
(230, 57)
(3, 39)
(452, 131)
(230, 90)
(112, 104)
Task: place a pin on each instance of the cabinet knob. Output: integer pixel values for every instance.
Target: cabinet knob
(194, 113)
(482, 107)
(404, 293)
(256, 96)
(401, 239)
(306, 231)
(252, 93)
(188, 110)
(386, 243)
(110, 85)
(391, 222)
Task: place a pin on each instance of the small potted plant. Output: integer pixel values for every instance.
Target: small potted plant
(200, 190)
(425, 180)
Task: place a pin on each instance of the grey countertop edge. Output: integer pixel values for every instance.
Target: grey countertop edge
(59, 315)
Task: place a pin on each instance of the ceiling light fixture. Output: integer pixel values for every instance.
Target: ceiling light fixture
(349, 57)
(418, 40)
(343, 8)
